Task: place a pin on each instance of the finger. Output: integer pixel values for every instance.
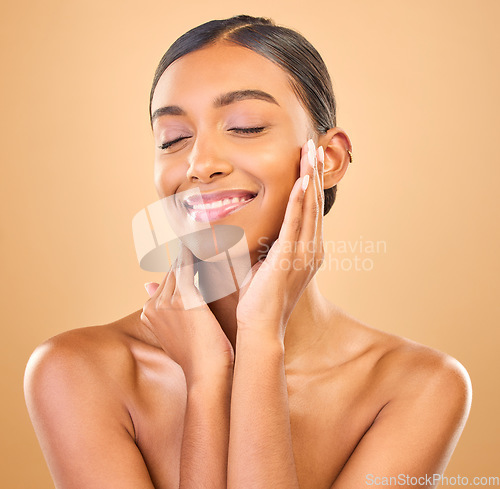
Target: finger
(312, 223)
(184, 270)
(166, 289)
(306, 238)
(184, 279)
(312, 230)
(292, 221)
(155, 289)
(151, 287)
(321, 170)
(320, 158)
(155, 300)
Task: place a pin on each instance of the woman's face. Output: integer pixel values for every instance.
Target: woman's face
(225, 119)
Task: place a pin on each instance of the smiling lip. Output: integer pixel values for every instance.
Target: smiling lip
(216, 205)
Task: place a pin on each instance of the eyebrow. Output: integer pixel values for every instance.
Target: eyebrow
(220, 101)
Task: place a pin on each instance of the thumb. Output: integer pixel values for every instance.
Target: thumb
(151, 288)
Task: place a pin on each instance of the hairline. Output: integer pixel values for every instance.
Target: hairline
(223, 39)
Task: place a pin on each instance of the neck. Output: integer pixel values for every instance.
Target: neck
(308, 322)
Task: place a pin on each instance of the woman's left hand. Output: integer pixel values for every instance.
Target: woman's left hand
(277, 282)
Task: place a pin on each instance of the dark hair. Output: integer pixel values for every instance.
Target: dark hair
(287, 48)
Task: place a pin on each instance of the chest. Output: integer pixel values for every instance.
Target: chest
(328, 417)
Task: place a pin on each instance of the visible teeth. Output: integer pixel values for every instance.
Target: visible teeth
(218, 203)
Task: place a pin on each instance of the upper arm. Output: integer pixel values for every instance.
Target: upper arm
(414, 435)
(81, 423)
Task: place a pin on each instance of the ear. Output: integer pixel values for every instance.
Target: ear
(335, 143)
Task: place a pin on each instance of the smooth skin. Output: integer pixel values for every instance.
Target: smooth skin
(245, 392)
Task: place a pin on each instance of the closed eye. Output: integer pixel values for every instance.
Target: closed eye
(242, 130)
(247, 130)
(167, 144)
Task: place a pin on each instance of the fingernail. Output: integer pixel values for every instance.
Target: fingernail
(321, 154)
(311, 153)
(146, 286)
(305, 182)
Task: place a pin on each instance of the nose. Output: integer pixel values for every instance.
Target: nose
(206, 162)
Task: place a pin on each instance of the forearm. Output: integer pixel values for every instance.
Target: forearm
(206, 433)
(260, 444)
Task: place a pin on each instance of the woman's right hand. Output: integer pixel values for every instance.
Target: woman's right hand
(192, 337)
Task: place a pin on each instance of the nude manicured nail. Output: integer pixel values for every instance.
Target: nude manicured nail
(305, 182)
(311, 153)
(312, 158)
(321, 154)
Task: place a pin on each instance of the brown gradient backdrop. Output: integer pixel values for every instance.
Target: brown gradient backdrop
(417, 91)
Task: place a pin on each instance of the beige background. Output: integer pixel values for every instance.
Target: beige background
(417, 91)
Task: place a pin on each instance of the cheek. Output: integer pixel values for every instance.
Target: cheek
(275, 162)
(283, 154)
(280, 172)
(276, 167)
(166, 178)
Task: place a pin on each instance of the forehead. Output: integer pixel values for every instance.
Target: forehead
(206, 73)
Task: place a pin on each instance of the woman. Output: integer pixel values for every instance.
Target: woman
(218, 395)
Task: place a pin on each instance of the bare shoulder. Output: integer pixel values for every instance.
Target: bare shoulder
(80, 387)
(421, 399)
(404, 368)
(95, 362)
(95, 349)
(412, 401)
